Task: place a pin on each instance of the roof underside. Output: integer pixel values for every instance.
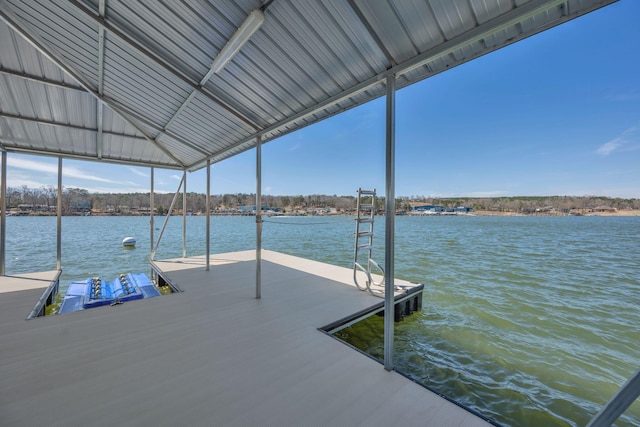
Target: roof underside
(124, 81)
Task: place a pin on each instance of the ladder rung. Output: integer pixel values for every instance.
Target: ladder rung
(368, 192)
(362, 247)
(367, 207)
(364, 220)
(365, 233)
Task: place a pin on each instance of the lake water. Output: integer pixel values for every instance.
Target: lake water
(526, 320)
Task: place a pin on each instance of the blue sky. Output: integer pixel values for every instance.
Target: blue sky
(555, 114)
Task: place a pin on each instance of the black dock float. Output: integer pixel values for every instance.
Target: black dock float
(406, 304)
(47, 298)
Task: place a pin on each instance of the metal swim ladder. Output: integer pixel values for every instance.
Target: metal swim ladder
(365, 214)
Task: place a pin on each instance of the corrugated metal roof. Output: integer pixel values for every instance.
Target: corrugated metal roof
(146, 63)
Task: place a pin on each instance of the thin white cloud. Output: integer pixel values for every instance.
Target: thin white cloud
(52, 169)
(137, 171)
(32, 166)
(174, 176)
(71, 172)
(613, 145)
(609, 147)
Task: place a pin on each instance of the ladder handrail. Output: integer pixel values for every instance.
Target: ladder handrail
(366, 233)
(357, 267)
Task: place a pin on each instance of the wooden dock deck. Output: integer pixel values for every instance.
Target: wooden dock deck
(211, 355)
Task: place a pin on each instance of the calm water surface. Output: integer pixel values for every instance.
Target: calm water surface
(531, 321)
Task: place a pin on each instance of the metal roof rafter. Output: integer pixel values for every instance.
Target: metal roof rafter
(110, 103)
(72, 155)
(41, 80)
(40, 46)
(99, 112)
(510, 18)
(144, 120)
(161, 129)
(66, 125)
(367, 25)
(111, 27)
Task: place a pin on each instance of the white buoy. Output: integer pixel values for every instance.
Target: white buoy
(129, 241)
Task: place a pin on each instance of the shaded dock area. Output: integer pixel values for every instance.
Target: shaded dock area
(211, 355)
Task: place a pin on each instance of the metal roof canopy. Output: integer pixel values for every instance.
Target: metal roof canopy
(130, 81)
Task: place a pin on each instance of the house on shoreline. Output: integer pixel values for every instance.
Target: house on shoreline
(428, 209)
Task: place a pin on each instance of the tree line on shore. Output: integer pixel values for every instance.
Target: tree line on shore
(77, 199)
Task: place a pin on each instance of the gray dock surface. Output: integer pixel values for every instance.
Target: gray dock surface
(19, 293)
(212, 355)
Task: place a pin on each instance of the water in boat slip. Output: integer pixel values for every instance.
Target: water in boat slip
(526, 320)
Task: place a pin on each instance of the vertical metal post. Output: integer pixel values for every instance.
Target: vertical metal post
(259, 217)
(389, 231)
(59, 222)
(3, 213)
(151, 215)
(184, 214)
(208, 212)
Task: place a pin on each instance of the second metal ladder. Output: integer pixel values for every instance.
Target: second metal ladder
(365, 215)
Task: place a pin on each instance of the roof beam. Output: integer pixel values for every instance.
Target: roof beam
(110, 103)
(101, 37)
(72, 155)
(40, 46)
(111, 27)
(499, 23)
(504, 21)
(40, 80)
(100, 130)
(134, 115)
(66, 125)
(374, 36)
(161, 129)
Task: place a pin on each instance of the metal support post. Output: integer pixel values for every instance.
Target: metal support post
(151, 215)
(59, 221)
(3, 213)
(208, 212)
(259, 217)
(166, 219)
(389, 231)
(184, 214)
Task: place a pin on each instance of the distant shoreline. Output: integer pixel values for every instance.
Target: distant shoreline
(625, 212)
(610, 213)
